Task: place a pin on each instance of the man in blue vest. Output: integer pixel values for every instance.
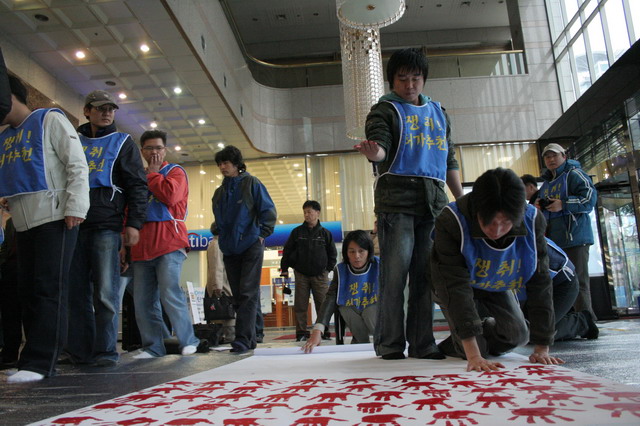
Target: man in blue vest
(569, 196)
(244, 216)
(118, 199)
(409, 142)
(43, 179)
(488, 243)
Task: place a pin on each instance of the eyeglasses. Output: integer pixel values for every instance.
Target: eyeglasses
(105, 108)
(153, 148)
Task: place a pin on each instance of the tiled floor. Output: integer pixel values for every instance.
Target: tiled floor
(614, 355)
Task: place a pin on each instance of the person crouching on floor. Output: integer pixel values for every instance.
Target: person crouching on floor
(488, 243)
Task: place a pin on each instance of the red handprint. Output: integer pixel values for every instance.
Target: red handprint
(265, 406)
(332, 396)
(217, 383)
(360, 387)
(166, 389)
(313, 381)
(437, 392)
(316, 409)
(512, 381)
(492, 390)
(459, 415)
(431, 402)
(383, 419)
(205, 389)
(544, 413)
(538, 370)
(416, 385)
(136, 421)
(278, 397)
(138, 397)
(558, 397)
(466, 384)
(564, 379)
(373, 407)
(187, 422)
(356, 380)
(385, 395)
(617, 408)
(587, 385)
(233, 396)
(264, 382)
(447, 376)
(247, 421)
(72, 420)
(190, 398)
(144, 408)
(631, 396)
(242, 389)
(197, 409)
(315, 421)
(499, 373)
(298, 388)
(486, 401)
(537, 388)
(106, 406)
(403, 379)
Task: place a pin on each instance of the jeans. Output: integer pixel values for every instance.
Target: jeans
(243, 272)
(579, 256)
(305, 284)
(159, 279)
(44, 259)
(569, 323)
(405, 245)
(94, 301)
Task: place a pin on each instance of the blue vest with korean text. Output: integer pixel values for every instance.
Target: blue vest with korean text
(358, 290)
(493, 269)
(101, 156)
(422, 148)
(157, 211)
(560, 267)
(555, 189)
(22, 162)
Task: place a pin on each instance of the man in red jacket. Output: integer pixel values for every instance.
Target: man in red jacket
(158, 257)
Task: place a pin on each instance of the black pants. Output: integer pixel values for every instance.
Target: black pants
(10, 307)
(44, 258)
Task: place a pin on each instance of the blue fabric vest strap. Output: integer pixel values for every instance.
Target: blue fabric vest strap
(422, 147)
(492, 269)
(157, 211)
(101, 156)
(358, 290)
(22, 160)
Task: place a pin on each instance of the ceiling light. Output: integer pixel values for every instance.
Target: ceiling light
(299, 174)
(177, 90)
(211, 181)
(177, 148)
(202, 172)
(296, 165)
(153, 124)
(281, 222)
(122, 96)
(220, 145)
(144, 48)
(201, 121)
(80, 54)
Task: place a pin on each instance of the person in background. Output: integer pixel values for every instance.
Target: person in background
(311, 252)
(409, 142)
(46, 191)
(488, 243)
(118, 200)
(530, 188)
(158, 256)
(218, 285)
(244, 216)
(353, 291)
(5, 90)
(566, 198)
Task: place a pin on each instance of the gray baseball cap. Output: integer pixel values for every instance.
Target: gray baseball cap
(100, 97)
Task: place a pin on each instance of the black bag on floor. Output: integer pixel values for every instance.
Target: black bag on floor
(208, 332)
(218, 308)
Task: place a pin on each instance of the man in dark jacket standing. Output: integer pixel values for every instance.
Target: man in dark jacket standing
(118, 184)
(244, 216)
(311, 253)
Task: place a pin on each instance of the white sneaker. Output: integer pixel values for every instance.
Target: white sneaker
(189, 350)
(25, 376)
(143, 355)
(10, 372)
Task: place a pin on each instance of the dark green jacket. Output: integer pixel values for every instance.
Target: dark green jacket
(403, 194)
(450, 275)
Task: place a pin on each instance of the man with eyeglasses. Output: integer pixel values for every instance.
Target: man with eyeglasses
(118, 198)
(158, 257)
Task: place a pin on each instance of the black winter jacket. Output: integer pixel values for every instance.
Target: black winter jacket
(310, 251)
(107, 209)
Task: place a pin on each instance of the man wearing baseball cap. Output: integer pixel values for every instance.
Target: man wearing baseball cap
(571, 197)
(118, 198)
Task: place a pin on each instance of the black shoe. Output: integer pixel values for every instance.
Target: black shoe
(593, 332)
(301, 338)
(238, 348)
(260, 339)
(326, 336)
(203, 347)
(105, 362)
(433, 355)
(393, 355)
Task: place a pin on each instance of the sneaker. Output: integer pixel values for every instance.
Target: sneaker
(189, 350)
(393, 355)
(143, 355)
(593, 332)
(23, 376)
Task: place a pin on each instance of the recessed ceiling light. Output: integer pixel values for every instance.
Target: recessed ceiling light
(299, 174)
(296, 165)
(220, 145)
(144, 48)
(122, 96)
(201, 121)
(177, 90)
(211, 181)
(80, 54)
(40, 17)
(153, 124)
(177, 148)
(202, 172)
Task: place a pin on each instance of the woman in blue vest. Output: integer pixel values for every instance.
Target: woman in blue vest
(488, 243)
(353, 291)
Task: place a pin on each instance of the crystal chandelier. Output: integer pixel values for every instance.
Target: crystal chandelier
(362, 77)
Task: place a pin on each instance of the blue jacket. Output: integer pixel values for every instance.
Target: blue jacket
(573, 227)
(243, 212)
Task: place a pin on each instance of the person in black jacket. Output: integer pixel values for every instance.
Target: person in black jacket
(5, 92)
(311, 253)
(118, 198)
